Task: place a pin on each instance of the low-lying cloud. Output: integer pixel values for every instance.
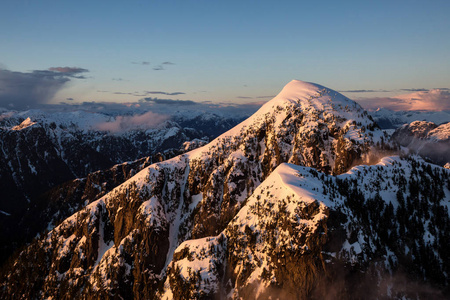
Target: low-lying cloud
(163, 93)
(21, 90)
(430, 100)
(125, 123)
(144, 93)
(170, 101)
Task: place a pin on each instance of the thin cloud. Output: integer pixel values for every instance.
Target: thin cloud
(27, 89)
(258, 97)
(161, 66)
(144, 63)
(265, 97)
(69, 71)
(365, 91)
(358, 91)
(144, 93)
(122, 93)
(164, 93)
(432, 100)
(170, 101)
(251, 105)
(415, 90)
(389, 91)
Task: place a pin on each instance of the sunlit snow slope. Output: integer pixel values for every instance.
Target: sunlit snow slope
(125, 242)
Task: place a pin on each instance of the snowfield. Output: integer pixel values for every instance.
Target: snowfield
(298, 201)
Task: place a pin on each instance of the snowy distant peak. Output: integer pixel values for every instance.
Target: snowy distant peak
(427, 130)
(232, 218)
(26, 123)
(117, 123)
(440, 133)
(420, 129)
(426, 139)
(389, 119)
(82, 120)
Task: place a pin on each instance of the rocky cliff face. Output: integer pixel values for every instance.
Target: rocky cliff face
(244, 228)
(60, 202)
(376, 232)
(39, 154)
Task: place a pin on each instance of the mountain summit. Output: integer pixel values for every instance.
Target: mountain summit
(244, 229)
(306, 124)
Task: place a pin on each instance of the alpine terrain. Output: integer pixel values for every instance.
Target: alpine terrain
(44, 149)
(305, 199)
(427, 139)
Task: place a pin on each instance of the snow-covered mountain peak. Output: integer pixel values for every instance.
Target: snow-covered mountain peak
(309, 94)
(440, 133)
(26, 123)
(304, 108)
(226, 187)
(297, 89)
(420, 128)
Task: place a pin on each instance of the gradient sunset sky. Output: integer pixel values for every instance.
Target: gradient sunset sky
(223, 51)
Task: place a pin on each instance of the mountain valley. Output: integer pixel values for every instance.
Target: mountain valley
(306, 199)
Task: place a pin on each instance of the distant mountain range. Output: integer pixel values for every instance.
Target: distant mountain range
(389, 119)
(306, 199)
(41, 150)
(426, 139)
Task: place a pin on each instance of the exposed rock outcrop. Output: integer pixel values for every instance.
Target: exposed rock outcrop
(226, 204)
(426, 139)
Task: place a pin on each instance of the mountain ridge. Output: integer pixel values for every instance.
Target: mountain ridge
(125, 243)
(426, 139)
(43, 149)
(314, 199)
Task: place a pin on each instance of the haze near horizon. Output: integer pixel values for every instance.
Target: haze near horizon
(383, 54)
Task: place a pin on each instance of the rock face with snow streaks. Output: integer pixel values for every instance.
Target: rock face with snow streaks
(46, 149)
(376, 231)
(220, 222)
(426, 139)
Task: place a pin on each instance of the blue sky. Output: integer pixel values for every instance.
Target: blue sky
(224, 51)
